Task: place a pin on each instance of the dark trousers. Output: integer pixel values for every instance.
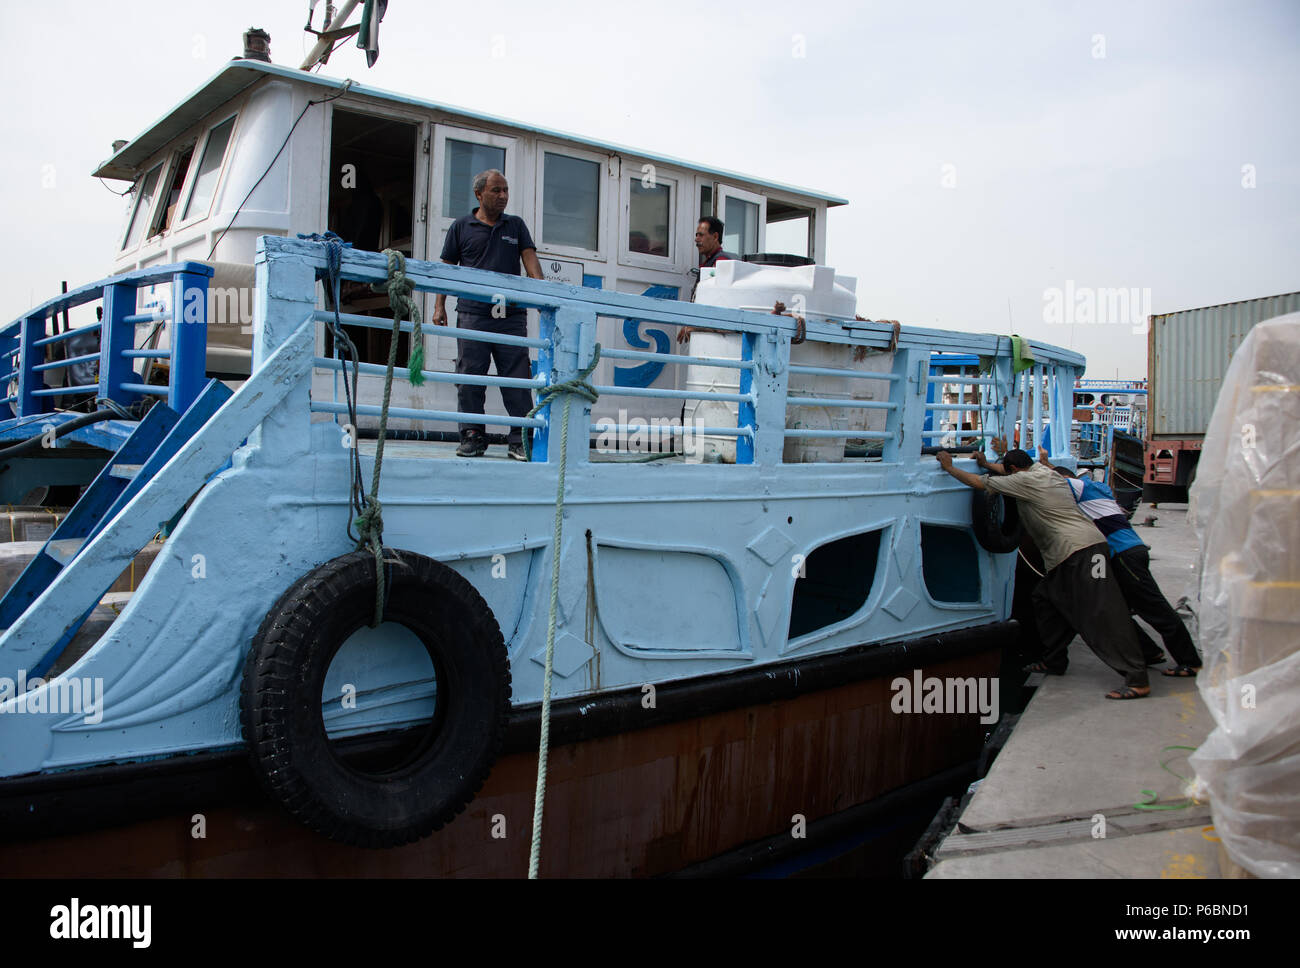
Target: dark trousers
(1144, 598)
(1082, 593)
(511, 361)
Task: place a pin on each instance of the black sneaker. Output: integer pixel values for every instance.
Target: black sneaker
(517, 452)
(472, 446)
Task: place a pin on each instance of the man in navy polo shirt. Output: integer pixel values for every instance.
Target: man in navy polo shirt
(488, 238)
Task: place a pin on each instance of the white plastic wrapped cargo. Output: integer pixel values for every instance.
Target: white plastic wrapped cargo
(811, 291)
(1245, 506)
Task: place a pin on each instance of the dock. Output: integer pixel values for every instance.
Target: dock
(1079, 789)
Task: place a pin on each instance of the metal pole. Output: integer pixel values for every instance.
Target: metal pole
(323, 44)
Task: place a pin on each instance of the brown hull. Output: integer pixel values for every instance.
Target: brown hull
(642, 802)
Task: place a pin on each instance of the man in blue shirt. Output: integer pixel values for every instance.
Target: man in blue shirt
(1133, 569)
(488, 238)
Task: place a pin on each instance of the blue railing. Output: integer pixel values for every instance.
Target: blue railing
(288, 273)
(24, 343)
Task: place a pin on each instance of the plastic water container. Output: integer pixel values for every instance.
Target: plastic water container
(807, 290)
(712, 413)
(811, 291)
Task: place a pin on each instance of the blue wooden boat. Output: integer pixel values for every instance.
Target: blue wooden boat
(725, 638)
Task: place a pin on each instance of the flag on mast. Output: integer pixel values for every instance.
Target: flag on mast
(368, 36)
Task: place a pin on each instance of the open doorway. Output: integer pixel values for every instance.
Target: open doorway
(371, 205)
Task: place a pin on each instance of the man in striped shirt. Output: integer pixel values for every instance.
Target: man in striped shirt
(1133, 569)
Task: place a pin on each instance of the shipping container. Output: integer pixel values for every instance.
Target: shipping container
(1187, 355)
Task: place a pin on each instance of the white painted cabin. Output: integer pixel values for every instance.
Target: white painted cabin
(388, 170)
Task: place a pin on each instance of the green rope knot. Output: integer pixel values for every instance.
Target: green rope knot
(370, 524)
(399, 289)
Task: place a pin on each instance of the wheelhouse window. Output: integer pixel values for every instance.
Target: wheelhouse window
(205, 183)
(649, 223)
(740, 227)
(789, 229)
(571, 202)
(464, 160)
(143, 203)
(179, 172)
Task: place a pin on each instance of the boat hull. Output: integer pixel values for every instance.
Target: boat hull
(719, 763)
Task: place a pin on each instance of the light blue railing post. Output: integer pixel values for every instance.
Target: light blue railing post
(115, 338)
(9, 346)
(545, 366)
(769, 380)
(1023, 386)
(285, 294)
(571, 332)
(1004, 394)
(189, 337)
(747, 413)
(1037, 371)
(1061, 406)
(29, 379)
(909, 392)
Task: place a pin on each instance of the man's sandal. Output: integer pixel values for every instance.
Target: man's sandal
(1041, 667)
(1128, 692)
(1182, 672)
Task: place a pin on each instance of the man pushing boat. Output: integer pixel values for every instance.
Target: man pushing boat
(1079, 590)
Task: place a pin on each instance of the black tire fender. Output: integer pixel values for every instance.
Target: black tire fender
(280, 699)
(995, 519)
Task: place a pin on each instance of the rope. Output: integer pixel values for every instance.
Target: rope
(578, 387)
(369, 520)
(1152, 798)
(399, 290)
(370, 523)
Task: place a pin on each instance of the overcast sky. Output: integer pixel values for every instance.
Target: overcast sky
(991, 152)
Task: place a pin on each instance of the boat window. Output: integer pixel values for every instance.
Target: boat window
(571, 202)
(706, 200)
(950, 564)
(740, 227)
(836, 582)
(743, 215)
(180, 171)
(148, 187)
(789, 229)
(464, 160)
(649, 217)
(205, 184)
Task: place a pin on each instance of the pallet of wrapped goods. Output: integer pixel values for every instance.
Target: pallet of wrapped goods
(21, 523)
(1246, 511)
(16, 555)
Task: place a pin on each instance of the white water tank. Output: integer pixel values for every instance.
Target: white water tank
(805, 290)
(809, 291)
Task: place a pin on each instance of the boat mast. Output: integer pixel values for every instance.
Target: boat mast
(329, 36)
